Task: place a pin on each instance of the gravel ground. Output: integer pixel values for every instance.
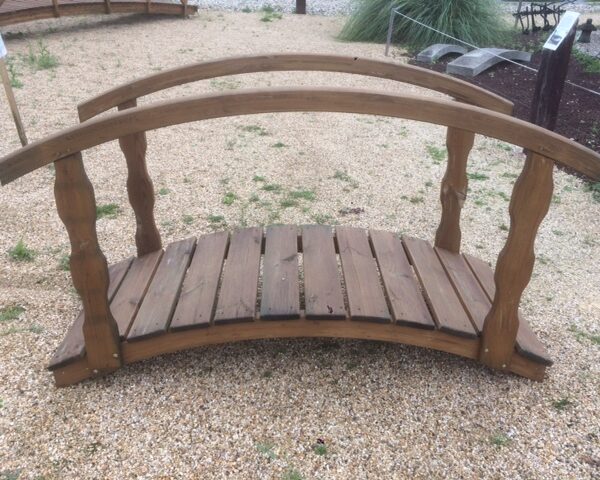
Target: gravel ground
(255, 410)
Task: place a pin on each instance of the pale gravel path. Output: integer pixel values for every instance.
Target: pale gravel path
(385, 411)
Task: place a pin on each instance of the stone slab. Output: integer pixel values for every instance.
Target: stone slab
(477, 61)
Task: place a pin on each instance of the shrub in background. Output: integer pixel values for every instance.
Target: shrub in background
(479, 22)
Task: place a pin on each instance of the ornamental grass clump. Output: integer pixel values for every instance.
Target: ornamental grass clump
(479, 22)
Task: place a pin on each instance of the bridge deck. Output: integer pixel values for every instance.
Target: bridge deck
(297, 281)
(17, 11)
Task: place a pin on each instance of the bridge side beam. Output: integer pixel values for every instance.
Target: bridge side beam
(529, 204)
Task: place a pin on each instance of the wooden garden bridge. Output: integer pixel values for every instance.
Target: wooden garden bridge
(249, 283)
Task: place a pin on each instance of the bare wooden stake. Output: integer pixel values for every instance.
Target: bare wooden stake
(12, 102)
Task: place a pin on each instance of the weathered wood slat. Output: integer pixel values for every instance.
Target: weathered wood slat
(73, 345)
(365, 293)
(439, 292)
(322, 284)
(527, 343)
(126, 303)
(158, 305)
(280, 290)
(474, 300)
(404, 295)
(239, 289)
(199, 292)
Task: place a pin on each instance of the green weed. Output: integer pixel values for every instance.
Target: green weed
(109, 210)
(8, 314)
(229, 198)
(437, 154)
(21, 253)
(41, 59)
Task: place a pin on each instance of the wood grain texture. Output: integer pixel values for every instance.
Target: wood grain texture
(365, 293)
(445, 305)
(529, 204)
(454, 188)
(239, 289)
(188, 109)
(128, 299)
(77, 209)
(400, 72)
(159, 303)
(198, 297)
(322, 285)
(527, 343)
(404, 295)
(98, 7)
(140, 189)
(280, 289)
(73, 345)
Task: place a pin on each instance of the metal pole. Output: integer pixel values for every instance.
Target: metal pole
(390, 30)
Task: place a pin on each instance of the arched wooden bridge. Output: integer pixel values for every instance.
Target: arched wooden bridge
(212, 289)
(19, 11)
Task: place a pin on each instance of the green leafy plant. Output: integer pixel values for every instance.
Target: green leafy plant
(8, 314)
(21, 253)
(270, 14)
(562, 403)
(41, 59)
(437, 154)
(474, 21)
(109, 210)
(589, 63)
(229, 198)
(15, 81)
(500, 440)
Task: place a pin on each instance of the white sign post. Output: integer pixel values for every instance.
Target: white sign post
(10, 95)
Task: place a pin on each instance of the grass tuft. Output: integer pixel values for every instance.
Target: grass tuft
(21, 253)
(8, 314)
(110, 210)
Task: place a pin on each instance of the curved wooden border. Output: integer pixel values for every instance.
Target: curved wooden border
(215, 335)
(11, 17)
(421, 77)
(101, 130)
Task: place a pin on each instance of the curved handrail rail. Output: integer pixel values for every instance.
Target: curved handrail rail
(422, 77)
(173, 112)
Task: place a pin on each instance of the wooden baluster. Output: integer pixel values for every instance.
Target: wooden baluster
(454, 188)
(77, 209)
(529, 204)
(185, 7)
(140, 189)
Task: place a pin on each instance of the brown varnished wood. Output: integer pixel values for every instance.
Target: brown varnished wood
(454, 188)
(445, 305)
(73, 347)
(88, 8)
(77, 209)
(404, 296)
(280, 289)
(140, 189)
(363, 288)
(322, 285)
(171, 112)
(199, 292)
(128, 299)
(399, 72)
(471, 294)
(237, 298)
(529, 204)
(158, 305)
(527, 343)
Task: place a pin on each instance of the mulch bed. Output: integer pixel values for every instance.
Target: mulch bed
(579, 113)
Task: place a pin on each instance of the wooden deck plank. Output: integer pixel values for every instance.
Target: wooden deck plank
(322, 285)
(199, 292)
(280, 290)
(365, 293)
(474, 300)
(158, 305)
(129, 297)
(404, 295)
(73, 345)
(527, 343)
(439, 292)
(239, 289)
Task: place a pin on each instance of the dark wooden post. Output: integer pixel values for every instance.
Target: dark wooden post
(454, 188)
(301, 7)
(140, 189)
(529, 204)
(77, 209)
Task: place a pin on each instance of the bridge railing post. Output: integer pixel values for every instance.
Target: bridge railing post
(140, 189)
(529, 204)
(454, 188)
(76, 207)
